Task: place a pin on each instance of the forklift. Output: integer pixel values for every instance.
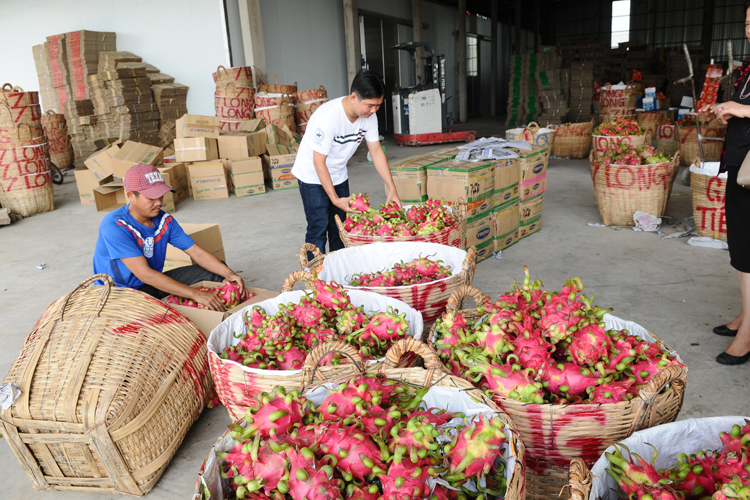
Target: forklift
(420, 114)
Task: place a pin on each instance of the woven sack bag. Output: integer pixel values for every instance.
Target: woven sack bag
(110, 382)
(447, 392)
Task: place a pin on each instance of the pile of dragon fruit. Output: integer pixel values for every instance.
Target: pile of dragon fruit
(282, 341)
(718, 475)
(419, 270)
(619, 127)
(624, 154)
(540, 347)
(367, 440)
(229, 293)
(392, 220)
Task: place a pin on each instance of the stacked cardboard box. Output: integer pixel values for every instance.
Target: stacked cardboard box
(536, 88)
(522, 101)
(47, 94)
(86, 136)
(410, 174)
(505, 206)
(581, 91)
(171, 102)
(82, 51)
(591, 50)
(550, 89)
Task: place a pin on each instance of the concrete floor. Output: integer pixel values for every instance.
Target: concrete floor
(674, 290)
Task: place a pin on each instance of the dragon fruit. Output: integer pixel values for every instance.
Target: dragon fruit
(417, 213)
(404, 480)
(275, 414)
(589, 345)
(420, 270)
(736, 439)
(384, 327)
(312, 483)
(360, 203)
(567, 378)
(415, 438)
(390, 210)
(736, 489)
(307, 313)
(355, 454)
(509, 381)
(611, 392)
(350, 319)
(474, 451)
(692, 477)
(629, 475)
(330, 296)
(291, 358)
(646, 369)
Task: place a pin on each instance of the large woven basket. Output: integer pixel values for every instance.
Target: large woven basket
(110, 382)
(556, 434)
(56, 130)
(602, 142)
(708, 204)
(434, 374)
(616, 102)
(623, 190)
(276, 110)
(454, 236)
(241, 76)
(277, 88)
(573, 140)
(15, 96)
(649, 120)
(666, 139)
(713, 143)
(236, 385)
(536, 135)
(429, 299)
(231, 90)
(307, 102)
(25, 177)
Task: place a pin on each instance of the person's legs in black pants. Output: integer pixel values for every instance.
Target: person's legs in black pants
(187, 275)
(317, 206)
(334, 238)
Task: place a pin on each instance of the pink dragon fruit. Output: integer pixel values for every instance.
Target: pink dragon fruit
(362, 492)
(354, 454)
(509, 381)
(314, 337)
(416, 438)
(691, 476)
(612, 392)
(474, 450)
(736, 489)
(275, 413)
(388, 326)
(567, 378)
(229, 293)
(330, 296)
(385, 229)
(291, 358)
(360, 203)
(403, 229)
(404, 480)
(737, 438)
(307, 313)
(350, 320)
(629, 475)
(417, 213)
(589, 345)
(429, 227)
(532, 350)
(391, 210)
(314, 483)
(430, 268)
(646, 369)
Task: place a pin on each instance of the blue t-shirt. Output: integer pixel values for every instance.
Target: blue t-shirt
(121, 237)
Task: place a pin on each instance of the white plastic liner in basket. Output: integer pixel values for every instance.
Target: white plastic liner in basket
(223, 335)
(710, 168)
(450, 399)
(671, 440)
(341, 265)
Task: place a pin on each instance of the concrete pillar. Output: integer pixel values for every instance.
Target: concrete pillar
(493, 59)
(353, 46)
(416, 10)
(462, 97)
(518, 27)
(252, 36)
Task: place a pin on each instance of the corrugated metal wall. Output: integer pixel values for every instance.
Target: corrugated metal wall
(305, 43)
(584, 19)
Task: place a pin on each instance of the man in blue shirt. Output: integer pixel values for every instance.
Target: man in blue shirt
(132, 245)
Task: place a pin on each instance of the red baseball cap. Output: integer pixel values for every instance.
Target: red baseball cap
(146, 180)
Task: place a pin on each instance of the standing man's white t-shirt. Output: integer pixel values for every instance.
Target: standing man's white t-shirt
(329, 132)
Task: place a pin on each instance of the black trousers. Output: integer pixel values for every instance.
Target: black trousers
(320, 212)
(187, 275)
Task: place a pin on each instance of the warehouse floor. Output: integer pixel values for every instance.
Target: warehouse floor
(673, 289)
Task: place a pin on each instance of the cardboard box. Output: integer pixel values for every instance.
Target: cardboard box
(535, 188)
(479, 229)
(135, 152)
(196, 149)
(207, 236)
(279, 175)
(87, 181)
(239, 146)
(246, 176)
(175, 175)
(110, 196)
(100, 163)
(197, 126)
(168, 204)
(206, 320)
(507, 240)
(411, 184)
(209, 180)
(505, 226)
(531, 209)
(533, 180)
(473, 182)
(533, 226)
(485, 250)
(279, 155)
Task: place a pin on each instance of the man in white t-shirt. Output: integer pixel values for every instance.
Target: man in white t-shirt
(333, 134)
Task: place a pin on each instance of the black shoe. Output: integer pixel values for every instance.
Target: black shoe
(725, 331)
(727, 359)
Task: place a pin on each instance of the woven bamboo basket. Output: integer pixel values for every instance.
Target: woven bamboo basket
(429, 299)
(15, 96)
(230, 90)
(666, 139)
(277, 88)
(56, 131)
(713, 144)
(235, 102)
(573, 140)
(708, 204)
(579, 480)
(241, 76)
(110, 382)
(236, 385)
(316, 263)
(616, 102)
(602, 142)
(26, 185)
(454, 236)
(433, 374)
(230, 113)
(24, 132)
(622, 190)
(13, 116)
(556, 434)
(533, 133)
(649, 120)
(277, 111)
(307, 102)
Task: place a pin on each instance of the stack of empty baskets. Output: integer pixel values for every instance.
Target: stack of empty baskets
(234, 99)
(25, 178)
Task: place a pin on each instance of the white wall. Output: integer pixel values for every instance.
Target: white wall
(183, 38)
